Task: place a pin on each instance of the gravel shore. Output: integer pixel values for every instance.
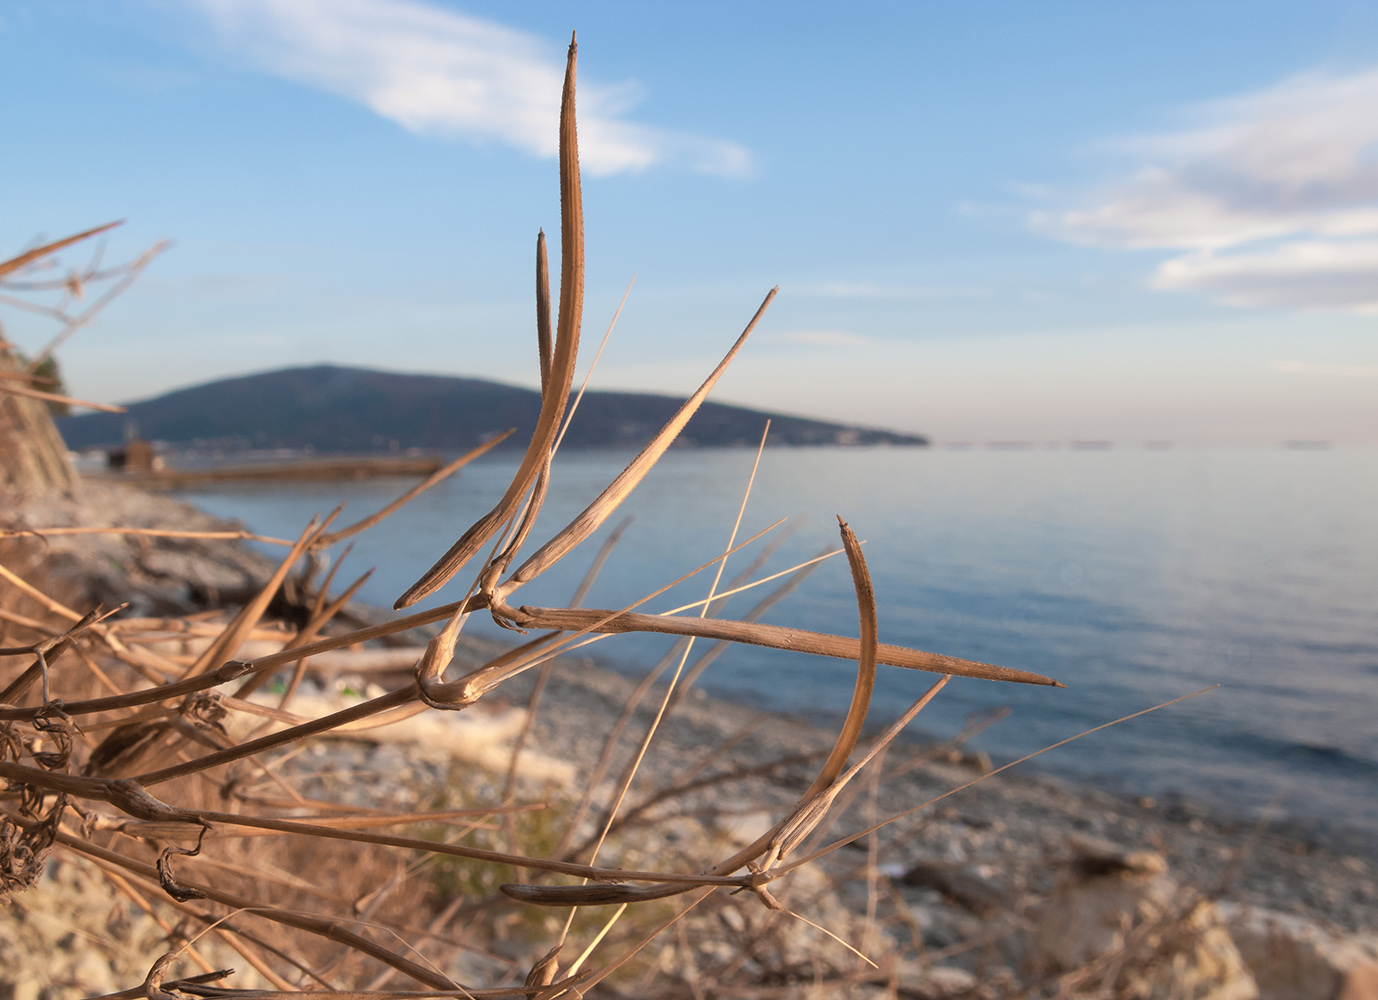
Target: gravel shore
(967, 864)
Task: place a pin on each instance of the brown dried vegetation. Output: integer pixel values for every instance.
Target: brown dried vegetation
(199, 804)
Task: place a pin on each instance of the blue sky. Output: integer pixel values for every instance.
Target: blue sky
(988, 220)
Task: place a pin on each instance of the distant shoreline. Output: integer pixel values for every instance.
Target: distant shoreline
(329, 408)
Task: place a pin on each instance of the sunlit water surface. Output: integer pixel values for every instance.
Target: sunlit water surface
(1132, 576)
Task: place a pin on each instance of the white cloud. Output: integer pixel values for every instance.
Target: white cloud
(823, 338)
(1295, 274)
(1271, 195)
(435, 71)
(1325, 368)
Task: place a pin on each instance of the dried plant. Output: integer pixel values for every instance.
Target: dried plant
(27, 283)
(159, 768)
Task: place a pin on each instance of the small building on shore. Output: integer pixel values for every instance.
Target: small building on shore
(135, 455)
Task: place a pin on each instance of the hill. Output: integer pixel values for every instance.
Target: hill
(335, 409)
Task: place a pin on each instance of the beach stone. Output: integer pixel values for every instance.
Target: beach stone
(1114, 902)
(57, 939)
(769, 947)
(190, 566)
(916, 980)
(1106, 892)
(1292, 958)
(966, 886)
(481, 734)
(740, 828)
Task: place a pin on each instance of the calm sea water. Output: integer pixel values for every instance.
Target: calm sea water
(1132, 576)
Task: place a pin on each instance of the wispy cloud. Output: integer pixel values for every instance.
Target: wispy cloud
(823, 338)
(436, 71)
(1293, 274)
(1272, 196)
(1325, 368)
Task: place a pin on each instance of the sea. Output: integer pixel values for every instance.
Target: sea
(1133, 576)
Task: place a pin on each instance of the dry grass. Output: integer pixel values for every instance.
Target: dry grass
(201, 806)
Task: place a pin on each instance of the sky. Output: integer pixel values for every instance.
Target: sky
(988, 220)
